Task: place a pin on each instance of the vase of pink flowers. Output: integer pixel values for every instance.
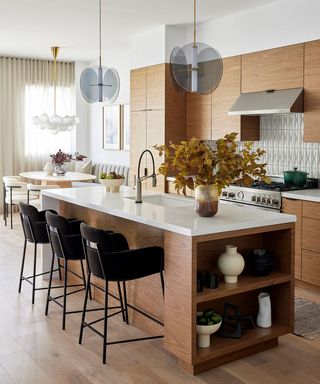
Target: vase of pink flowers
(60, 158)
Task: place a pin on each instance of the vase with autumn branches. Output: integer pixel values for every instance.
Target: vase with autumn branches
(207, 170)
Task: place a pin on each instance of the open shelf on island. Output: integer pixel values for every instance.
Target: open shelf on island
(221, 346)
(245, 283)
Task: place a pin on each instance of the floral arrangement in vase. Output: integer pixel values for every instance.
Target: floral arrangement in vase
(60, 158)
(208, 170)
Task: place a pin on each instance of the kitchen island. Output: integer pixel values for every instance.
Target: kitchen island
(193, 243)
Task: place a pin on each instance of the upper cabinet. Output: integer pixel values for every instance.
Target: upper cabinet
(312, 92)
(138, 90)
(279, 68)
(207, 115)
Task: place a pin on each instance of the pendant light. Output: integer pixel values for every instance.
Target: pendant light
(196, 67)
(55, 123)
(100, 84)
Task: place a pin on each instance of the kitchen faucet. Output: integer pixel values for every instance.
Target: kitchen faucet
(145, 177)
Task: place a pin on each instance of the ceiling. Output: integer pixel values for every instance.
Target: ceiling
(29, 27)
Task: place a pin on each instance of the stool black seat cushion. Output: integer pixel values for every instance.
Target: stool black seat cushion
(34, 223)
(119, 263)
(65, 237)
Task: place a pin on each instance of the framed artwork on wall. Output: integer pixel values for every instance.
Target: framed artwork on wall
(125, 127)
(111, 126)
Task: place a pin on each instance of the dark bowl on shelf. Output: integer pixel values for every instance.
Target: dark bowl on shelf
(261, 263)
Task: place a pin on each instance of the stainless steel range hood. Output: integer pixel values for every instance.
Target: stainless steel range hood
(268, 102)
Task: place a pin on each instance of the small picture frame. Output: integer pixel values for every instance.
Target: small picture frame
(125, 127)
(111, 127)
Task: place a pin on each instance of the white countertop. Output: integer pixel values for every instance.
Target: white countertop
(179, 216)
(306, 194)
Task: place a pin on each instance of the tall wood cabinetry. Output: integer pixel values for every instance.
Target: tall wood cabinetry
(157, 116)
(207, 115)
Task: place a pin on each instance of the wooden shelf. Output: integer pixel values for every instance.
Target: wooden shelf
(222, 346)
(245, 284)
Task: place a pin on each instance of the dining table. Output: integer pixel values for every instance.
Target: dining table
(64, 181)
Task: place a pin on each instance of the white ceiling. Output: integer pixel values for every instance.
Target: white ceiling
(29, 27)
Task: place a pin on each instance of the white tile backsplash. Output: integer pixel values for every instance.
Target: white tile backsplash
(282, 139)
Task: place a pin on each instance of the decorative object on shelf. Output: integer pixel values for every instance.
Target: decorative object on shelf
(55, 123)
(231, 264)
(200, 281)
(111, 126)
(112, 181)
(233, 323)
(264, 314)
(261, 262)
(60, 158)
(100, 84)
(196, 67)
(48, 169)
(219, 167)
(211, 279)
(208, 322)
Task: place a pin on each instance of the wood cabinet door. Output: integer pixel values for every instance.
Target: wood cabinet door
(138, 89)
(279, 68)
(311, 267)
(311, 234)
(156, 77)
(155, 135)
(294, 207)
(312, 92)
(138, 141)
(198, 116)
(224, 97)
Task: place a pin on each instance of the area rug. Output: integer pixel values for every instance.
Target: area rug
(307, 319)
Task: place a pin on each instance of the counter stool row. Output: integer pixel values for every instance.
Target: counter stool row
(107, 256)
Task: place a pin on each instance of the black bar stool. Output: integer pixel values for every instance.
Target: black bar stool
(35, 231)
(66, 244)
(108, 257)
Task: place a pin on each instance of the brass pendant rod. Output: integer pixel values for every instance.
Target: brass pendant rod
(194, 23)
(55, 52)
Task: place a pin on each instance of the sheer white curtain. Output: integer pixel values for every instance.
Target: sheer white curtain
(25, 91)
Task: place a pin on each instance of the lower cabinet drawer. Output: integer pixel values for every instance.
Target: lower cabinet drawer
(311, 234)
(311, 267)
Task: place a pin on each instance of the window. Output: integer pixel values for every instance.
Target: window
(39, 99)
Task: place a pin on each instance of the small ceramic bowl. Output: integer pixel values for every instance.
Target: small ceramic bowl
(112, 185)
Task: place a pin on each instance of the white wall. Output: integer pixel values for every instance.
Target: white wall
(274, 25)
(120, 61)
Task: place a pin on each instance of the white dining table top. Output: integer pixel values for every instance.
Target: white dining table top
(69, 176)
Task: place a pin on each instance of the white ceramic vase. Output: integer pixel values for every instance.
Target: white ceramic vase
(231, 264)
(204, 332)
(48, 169)
(264, 314)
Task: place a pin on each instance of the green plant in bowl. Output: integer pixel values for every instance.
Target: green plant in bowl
(208, 322)
(112, 181)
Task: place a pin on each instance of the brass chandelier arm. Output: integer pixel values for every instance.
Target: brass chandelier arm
(100, 33)
(55, 53)
(194, 23)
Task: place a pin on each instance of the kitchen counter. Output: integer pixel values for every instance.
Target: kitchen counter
(307, 194)
(171, 213)
(191, 243)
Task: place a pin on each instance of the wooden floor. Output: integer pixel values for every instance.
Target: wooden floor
(34, 349)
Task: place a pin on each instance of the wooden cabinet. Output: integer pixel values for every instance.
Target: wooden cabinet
(312, 92)
(198, 116)
(307, 238)
(157, 117)
(247, 127)
(279, 68)
(294, 207)
(207, 115)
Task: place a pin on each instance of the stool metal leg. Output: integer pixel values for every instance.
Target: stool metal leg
(65, 283)
(84, 279)
(105, 323)
(49, 285)
(162, 282)
(83, 317)
(59, 267)
(11, 211)
(121, 302)
(22, 264)
(34, 272)
(125, 301)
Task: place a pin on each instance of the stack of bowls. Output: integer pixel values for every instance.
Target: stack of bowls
(261, 262)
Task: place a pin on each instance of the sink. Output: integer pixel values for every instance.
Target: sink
(165, 201)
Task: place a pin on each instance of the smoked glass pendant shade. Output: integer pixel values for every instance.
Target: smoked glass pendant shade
(196, 67)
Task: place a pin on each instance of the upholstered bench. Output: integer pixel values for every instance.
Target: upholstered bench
(98, 168)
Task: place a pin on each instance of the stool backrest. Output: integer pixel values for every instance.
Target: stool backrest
(33, 224)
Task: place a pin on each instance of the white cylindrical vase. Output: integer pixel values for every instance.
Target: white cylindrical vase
(231, 264)
(264, 314)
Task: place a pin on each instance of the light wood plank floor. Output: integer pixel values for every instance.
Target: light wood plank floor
(34, 349)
